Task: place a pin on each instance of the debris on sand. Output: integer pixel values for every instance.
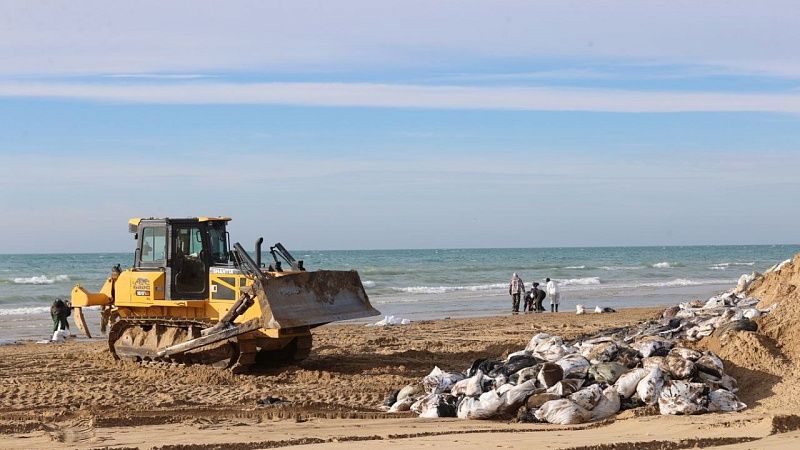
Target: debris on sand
(270, 400)
(390, 320)
(595, 377)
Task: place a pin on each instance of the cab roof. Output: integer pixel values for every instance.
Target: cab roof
(134, 222)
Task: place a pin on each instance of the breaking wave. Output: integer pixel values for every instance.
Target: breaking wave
(579, 281)
(662, 265)
(680, 282)
(725, 265)
(446, 289)
(611, 268)
(24, 311)
(368, 283)
(575, 267)
(41, 279)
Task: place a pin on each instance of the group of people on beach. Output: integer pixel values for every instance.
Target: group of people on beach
(534, 297)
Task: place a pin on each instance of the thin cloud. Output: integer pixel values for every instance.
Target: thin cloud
(410, 96)
(161, 76)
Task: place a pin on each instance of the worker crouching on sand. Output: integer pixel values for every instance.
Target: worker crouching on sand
(540, 294)
(516, 289)
(59, 311)
(554, 293)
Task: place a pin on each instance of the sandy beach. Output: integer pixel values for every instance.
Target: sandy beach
(76, 396)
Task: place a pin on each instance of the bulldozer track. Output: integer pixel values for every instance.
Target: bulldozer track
(138, 339)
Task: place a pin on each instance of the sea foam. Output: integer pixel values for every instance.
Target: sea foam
(41, 279)
(445, 289)
(662, 265)
(579, 281)
(24, 311)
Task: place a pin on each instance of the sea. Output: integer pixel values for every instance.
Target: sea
(431, 283)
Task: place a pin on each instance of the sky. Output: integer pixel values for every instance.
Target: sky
(401, 124)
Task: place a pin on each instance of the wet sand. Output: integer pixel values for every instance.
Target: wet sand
(76, 396)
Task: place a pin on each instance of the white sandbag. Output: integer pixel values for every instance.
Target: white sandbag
(587, 397)
(538, 339)
(519, 353)
(471, 387)
(547, 347)
(549, 374)
(650, 387)
(686, 353)
(710, 363)
(626, 384)
(474, 385)
(466, 407)
(751, 313)
(566, 387)
(699, 332)
(515, 397)
(681, 397)
(551, 349)
(504, 388)
(390, 320)
(402, 405)
(724, 401)
(425, 403)
(493, 405)
(411, 390)
(500, 380)
(608, 405)
(745, 280)
(460, 387)
(655, 361)
(729, 383)
(778, 267)
(528, 373)
(649, 346)
(574, 366)
(579, 309)
(600, 352)
(562, 412)
(481, 408)
(439, 381)
(679, 368)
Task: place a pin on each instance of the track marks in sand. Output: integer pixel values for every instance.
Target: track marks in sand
(350, 371)
(668, 445)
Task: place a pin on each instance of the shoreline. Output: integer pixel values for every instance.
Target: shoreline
(38, 326)
(92, 319)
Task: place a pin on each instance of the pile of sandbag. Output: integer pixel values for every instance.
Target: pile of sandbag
(595, 377)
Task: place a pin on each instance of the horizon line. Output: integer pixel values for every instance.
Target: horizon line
(452, 248)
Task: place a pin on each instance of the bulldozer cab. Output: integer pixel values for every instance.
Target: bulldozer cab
(185, 249)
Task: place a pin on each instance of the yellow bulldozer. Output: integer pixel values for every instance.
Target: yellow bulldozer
(192, 299)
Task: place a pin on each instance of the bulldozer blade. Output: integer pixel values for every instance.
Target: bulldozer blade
(80, 321)
(314, 298)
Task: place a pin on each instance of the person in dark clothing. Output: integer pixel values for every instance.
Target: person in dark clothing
(59, 311)
(540, 295)
(530, 299)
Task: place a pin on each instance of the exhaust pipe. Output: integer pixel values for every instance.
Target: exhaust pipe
(259, 241)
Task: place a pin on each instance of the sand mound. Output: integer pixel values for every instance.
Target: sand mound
(765, 363)
(779, 288)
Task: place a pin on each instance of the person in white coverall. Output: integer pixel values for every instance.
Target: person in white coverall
(554, 294)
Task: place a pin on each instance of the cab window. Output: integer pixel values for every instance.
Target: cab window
(219, 244)
(154, 244)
